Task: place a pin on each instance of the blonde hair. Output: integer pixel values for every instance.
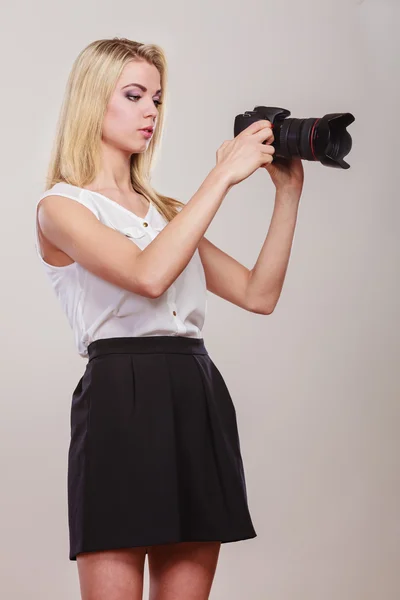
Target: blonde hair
(75, 157)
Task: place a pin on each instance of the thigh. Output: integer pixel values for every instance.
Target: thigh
(183, 571)
(112, 574)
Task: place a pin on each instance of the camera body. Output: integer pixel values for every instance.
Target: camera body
(322, 139)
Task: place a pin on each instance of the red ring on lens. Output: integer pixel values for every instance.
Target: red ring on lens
(312, 139)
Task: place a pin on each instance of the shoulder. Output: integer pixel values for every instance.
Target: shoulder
(72, 192)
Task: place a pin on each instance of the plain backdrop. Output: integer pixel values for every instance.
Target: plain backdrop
(316, 384)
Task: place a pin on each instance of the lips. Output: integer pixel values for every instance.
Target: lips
(149, 129)
(146, 134)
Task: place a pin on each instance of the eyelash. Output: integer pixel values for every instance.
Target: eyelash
(131, 96)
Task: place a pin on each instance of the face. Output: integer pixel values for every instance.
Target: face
(131, 108)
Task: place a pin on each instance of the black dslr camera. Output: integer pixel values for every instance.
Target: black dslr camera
(324, 139)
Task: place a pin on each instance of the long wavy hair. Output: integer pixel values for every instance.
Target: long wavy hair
(75, 157)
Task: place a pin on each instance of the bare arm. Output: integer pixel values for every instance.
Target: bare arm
(107, 253)
(225, 276)
(268, 274)
(256, 290)
(168, 254)
(76, 231)
(166, 257)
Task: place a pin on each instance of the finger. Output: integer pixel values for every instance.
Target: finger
(256, 126)
(266, 160)
(265, 134)
(265, 149)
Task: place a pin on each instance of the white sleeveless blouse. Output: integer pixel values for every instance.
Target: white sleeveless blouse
(98, 309)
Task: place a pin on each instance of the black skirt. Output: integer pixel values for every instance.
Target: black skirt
(154, 455)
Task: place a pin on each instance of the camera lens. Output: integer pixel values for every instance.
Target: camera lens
(295, 138)
(317, 139)
(325, 140)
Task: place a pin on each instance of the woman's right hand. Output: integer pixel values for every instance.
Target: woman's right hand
(240, 157)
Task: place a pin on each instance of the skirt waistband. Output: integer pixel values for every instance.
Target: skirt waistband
(147, 344)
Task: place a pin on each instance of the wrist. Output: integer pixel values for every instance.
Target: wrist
(290, 193)
(220, 174)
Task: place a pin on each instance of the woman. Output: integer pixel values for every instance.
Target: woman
(154, 463)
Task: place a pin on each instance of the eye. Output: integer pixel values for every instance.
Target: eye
(130, 96)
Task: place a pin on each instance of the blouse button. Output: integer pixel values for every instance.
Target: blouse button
(174, 313)
(145, 224)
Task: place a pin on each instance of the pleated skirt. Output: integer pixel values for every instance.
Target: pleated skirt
(154, 454)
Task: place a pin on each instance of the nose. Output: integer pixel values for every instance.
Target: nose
(151, 111)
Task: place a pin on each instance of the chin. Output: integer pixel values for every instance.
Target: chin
(139, 149)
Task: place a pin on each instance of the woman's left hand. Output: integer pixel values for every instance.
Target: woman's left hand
(287, 173)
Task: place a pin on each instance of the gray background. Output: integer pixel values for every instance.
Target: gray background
(315, 384)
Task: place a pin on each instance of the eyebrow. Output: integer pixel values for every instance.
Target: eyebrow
(144, 89)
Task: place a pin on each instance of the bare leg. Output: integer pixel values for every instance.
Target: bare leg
(112, 574)
(183, 571)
